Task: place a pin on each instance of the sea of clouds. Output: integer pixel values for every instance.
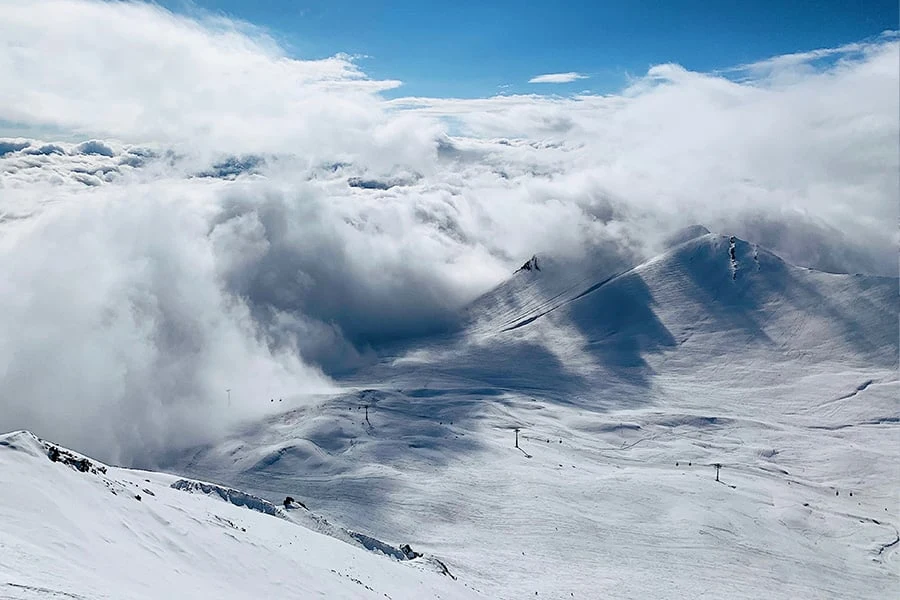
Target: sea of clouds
(185, 208)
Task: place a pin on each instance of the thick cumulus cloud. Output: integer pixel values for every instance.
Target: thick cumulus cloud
(229, 217)
(134, 70)
(117, 335)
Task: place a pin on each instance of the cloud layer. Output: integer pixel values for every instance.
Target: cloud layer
(231, 217)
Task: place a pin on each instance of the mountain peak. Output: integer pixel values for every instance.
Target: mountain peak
(530, 265)
(685, 234)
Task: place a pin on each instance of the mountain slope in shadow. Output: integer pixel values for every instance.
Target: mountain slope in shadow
(709, 299)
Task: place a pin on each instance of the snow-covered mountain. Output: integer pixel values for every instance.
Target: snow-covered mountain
(562, 444)
(627, 387)
(75, 528)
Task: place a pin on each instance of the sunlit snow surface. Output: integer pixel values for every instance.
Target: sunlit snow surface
(124, 534)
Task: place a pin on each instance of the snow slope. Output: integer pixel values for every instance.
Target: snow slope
(117, 533)
(627, 388)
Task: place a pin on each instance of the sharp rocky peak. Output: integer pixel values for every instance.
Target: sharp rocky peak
(531, 265)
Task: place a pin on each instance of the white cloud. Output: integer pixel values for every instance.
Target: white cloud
(138, 291)
(137, 72)
(557, 77)
(817, 147)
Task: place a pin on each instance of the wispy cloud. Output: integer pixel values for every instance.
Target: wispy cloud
(804, 60)
(557, 77)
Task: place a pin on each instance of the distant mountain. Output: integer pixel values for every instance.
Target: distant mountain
(708, 297)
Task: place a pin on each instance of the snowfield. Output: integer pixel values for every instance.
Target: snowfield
(119, 533)
(627, 386)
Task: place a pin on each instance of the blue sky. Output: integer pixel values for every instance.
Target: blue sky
(467, 48)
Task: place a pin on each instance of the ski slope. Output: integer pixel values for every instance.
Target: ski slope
(627, 389)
